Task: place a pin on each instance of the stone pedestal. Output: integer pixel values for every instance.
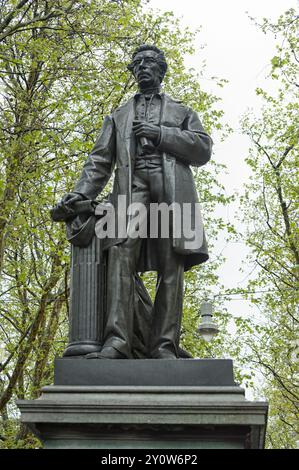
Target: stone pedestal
(148, 404)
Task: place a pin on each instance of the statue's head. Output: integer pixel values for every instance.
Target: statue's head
(148, 66)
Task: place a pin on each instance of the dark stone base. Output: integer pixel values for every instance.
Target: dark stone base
(122, 417)
(140, 372)
(146, 437)
(145, 404)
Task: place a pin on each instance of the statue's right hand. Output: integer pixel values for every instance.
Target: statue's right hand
(71, 198)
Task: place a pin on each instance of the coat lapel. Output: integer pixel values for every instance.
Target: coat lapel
(125, 116)
(168, 162)
(124, 120)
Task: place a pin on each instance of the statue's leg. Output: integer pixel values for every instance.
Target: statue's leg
(168, 305)
(118, 331)
(122, 264)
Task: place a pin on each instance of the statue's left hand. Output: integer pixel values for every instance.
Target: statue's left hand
(146, 129)
(70, 198)
(64, 210)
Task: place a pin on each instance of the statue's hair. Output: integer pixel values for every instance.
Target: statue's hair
(160, 57)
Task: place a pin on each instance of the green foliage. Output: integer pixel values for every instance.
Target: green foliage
(270, 210)
(62, 69)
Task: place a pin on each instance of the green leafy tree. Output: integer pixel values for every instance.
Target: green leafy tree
(62, 69)
(270, 211)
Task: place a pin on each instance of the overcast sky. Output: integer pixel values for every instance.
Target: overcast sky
(238, 51)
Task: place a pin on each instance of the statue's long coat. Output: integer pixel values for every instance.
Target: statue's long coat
(183, 143)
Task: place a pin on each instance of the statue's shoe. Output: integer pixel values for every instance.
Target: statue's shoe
(106, 353)
(165, 355)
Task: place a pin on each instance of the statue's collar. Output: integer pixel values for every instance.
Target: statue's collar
(149, 92)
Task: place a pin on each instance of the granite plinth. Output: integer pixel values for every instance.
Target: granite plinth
(181, 372)
(174, 412)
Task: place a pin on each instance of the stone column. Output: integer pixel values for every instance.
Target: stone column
(87, 299)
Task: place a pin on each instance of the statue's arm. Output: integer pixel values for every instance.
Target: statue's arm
(190, 144)
(99, 164)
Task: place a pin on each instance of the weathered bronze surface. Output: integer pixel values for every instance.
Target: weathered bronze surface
(150, 141)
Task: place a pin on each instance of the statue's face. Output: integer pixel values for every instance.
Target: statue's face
(146, 69)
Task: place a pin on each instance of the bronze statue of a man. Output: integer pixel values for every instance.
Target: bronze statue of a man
(151, 141)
